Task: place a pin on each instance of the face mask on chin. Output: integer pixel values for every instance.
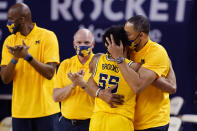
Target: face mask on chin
(83, 50)
(12, 27)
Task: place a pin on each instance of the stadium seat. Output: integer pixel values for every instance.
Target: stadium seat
(175, 124)
(6, 124)
(190, 118)
(176, 104)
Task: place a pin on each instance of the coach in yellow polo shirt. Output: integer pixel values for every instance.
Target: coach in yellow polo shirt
(76, 104)
(152, 110)
(29, 58)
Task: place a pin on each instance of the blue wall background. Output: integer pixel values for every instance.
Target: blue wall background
(173, 25)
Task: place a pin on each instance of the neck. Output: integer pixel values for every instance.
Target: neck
(83, 60)
(142, 44)
(27, 28)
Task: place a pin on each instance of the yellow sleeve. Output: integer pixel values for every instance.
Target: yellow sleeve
(157, 60)
(6, 56)
(129, 62)
(51, 48)
(62, 79)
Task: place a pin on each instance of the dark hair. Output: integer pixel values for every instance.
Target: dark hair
(118, 33)
(141, 23)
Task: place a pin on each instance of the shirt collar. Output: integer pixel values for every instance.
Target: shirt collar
(33, 31)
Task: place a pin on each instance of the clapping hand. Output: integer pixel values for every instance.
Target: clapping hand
(77, 78)
(19, 51)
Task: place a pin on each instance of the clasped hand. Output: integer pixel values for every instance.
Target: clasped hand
(77, 78)
(19, 51)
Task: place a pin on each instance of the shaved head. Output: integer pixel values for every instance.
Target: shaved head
(20, 10)
(84, 33)
(83, 37)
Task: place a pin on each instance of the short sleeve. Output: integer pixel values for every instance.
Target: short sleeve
(6, 56)
(129, 62)
(62, 79)
(51, 48)
(157, 60)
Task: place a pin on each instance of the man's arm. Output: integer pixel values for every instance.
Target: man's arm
(138, 81)
(59, 94)
(47, 70)
(167, 84)
(104, 94)
(7, 72)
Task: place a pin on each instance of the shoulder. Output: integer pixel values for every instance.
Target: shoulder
(156, 51)
(69, 60)
(10, 37)
(45, 31)
(95, 57)
(157, 47)
(93, 61)
(9, 40)
(65, 64)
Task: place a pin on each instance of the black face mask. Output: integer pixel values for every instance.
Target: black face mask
(132, 44)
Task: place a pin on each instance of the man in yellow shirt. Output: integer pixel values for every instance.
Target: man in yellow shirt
(76, 104)
(152, 111)
(106, 74)
(29, 58)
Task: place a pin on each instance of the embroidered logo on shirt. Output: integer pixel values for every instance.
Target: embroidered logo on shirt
(37, 42)
(142, 61)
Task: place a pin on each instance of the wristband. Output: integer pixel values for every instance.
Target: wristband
(28, 58)
(97, 92)
(14, 61)
(119, 60)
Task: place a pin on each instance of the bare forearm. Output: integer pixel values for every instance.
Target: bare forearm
(165, 85)
(45, 70)
(138, 81)
(7, 73)
(91, 88)
(131, 77)
(59, 94)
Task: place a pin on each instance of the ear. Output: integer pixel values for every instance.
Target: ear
(74, 46)
(141, 34)
(93, 44)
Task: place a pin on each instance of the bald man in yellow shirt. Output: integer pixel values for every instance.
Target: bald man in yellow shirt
(29, 58)
(76, 104)
(152, 112)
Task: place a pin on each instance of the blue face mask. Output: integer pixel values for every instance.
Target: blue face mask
(11, 27)
(132, 44)
(83, 50)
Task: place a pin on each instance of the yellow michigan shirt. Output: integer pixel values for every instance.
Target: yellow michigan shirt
(153, 104)
(107, 74)
(32, 93)
(78, 105)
